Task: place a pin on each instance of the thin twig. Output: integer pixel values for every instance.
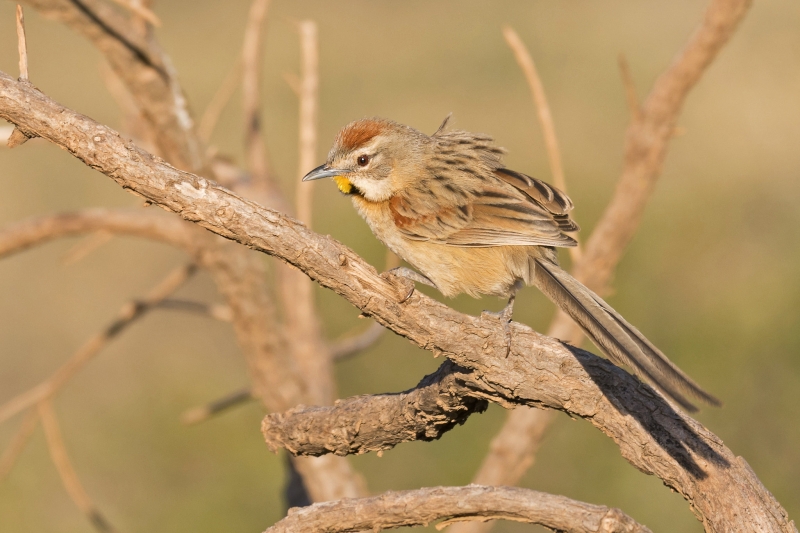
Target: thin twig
(127, 315)
(631, 97)
(525, 62)
(140, 10)
(308, 95)
(202, 413)
(451, 504)
(217, 105)
(18, 442)
(354, 344)
(22, 45)
(255, 147)
(220, 312)
(58, 453)
(85, 247)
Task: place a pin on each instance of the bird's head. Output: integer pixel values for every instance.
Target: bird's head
(374, 158)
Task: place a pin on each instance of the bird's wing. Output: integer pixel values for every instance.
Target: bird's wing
(505, 209)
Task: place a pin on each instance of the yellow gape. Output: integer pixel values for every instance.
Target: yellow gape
(343, 183)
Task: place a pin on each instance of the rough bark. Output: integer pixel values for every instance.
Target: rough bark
(539, 371)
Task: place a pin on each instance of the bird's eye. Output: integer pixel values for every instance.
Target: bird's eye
(362, 160)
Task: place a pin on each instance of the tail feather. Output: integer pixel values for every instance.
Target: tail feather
(618, 339)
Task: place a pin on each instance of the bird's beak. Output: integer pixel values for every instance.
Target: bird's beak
(323, 171)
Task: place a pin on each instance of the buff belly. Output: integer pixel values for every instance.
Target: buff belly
(496, 270)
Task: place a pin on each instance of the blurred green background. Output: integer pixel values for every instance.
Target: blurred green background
(711, 277)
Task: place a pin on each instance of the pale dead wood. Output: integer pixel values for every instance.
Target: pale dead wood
(136, 7)
(69, 478)
(22, 45)
(195, 415)
(474, 502)
(17, 136)
(18, 442)
(255, 147)
(630, 89)
(538, 370)
(374, 423)
(128, 314)
(646, 144)
(214, 109)
(303, 329)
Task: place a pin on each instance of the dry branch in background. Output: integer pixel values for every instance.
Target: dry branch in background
(146, 71)
(538, 370)
(18, 442)
(73, 485)
(251, 95)
(422, 507)
(646, 143)
(128, 314)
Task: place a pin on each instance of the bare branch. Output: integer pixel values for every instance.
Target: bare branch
(221, 98)
(349, 346)
(536, 370)
(196, 415)
(630, 89)
(58, 453)
(646, 145)
(474, 502)
(22, 45)
(86, 246)
(126, 316)
(18, 442)
(525, 62)
(371, 423)
(255, 147)
(238, 274)
(308, 95)
(219, 312)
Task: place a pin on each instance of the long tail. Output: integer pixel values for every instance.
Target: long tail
(620, 341)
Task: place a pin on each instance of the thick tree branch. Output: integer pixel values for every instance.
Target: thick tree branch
(135, 56)
(452, 504)
(646, 143)
(539, 370)
(374, 423)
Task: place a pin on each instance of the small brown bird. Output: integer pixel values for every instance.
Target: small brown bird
(447, 206)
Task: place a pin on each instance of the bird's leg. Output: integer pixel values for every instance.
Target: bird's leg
(504, 316)
(412, 275)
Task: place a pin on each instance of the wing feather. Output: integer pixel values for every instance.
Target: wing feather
(481, 204)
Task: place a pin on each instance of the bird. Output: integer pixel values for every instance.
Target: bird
(447, 205)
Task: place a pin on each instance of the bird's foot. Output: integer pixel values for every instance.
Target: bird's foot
(504, 316)
(407, 273)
